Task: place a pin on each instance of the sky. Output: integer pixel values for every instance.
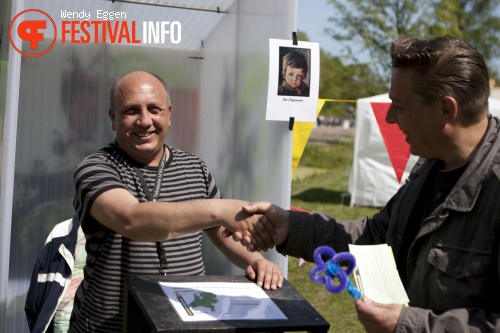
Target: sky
(312, 18)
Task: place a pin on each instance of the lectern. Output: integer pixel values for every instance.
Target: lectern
(148, 309)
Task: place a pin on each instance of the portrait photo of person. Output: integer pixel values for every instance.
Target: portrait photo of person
(294, 70)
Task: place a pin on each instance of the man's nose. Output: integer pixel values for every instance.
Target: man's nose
(144, 118)
(391, 117)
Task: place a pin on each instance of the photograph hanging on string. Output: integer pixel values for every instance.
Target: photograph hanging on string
(293, 80)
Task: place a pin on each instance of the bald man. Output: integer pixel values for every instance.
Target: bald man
(143, 205)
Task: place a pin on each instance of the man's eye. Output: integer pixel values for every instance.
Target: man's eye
(130, 111)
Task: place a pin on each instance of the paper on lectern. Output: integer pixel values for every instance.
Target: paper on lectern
(209, 301)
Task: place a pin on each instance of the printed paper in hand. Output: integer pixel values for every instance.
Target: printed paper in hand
(376, 275)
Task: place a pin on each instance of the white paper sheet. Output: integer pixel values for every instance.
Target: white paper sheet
(282, 107)
(376, 275)
(209, 301)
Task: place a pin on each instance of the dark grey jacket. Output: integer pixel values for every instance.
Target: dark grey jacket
(454, 263)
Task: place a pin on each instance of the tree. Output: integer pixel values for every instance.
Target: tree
(473, 21)
(344, 82)
(374, 24)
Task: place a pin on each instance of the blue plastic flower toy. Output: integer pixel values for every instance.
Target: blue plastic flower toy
(326, 272)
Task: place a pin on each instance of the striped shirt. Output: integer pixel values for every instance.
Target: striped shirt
(109, 255)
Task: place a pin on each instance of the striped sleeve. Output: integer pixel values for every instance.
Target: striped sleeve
(92, 177)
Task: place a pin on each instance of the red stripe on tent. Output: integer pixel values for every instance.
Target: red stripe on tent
(394, 139)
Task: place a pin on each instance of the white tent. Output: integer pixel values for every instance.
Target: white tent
(494, 106)
(382, 160)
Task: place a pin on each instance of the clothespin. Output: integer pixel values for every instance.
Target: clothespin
(292, 119)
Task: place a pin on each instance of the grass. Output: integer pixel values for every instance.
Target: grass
(321, 184)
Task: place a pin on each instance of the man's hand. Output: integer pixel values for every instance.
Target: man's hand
(376, 317)
(266, 274)
(260, 233)
(272, 228)
(240, 224)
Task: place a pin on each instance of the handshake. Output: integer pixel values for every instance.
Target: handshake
(259, 226)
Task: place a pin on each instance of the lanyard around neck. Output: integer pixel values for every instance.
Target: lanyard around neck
(159, 176)
(154, 197)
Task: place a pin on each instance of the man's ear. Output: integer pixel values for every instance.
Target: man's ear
(449, 109)
(169, 114)
(111, 115)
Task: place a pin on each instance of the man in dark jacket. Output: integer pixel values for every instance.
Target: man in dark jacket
(444, 223)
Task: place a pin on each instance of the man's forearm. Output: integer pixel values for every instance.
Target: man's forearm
(155, 221)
